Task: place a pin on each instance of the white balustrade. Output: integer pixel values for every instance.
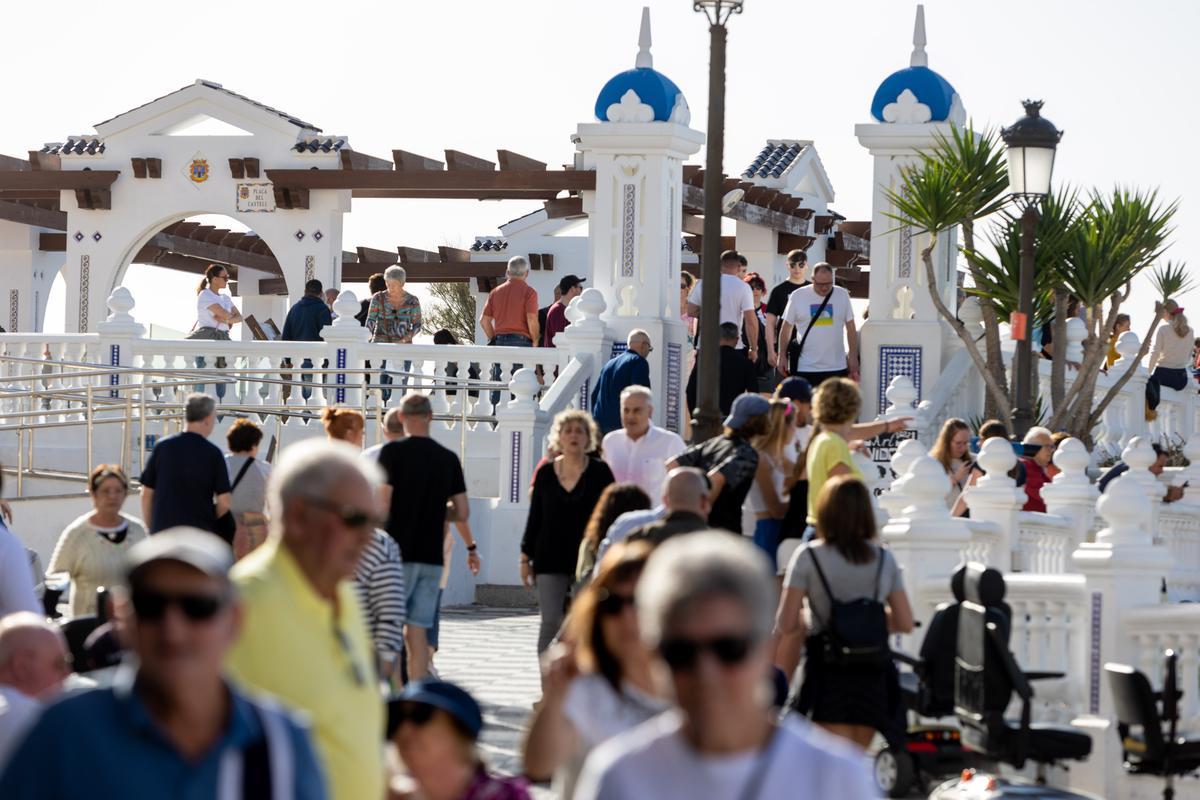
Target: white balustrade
(1174, 626)
(1044, 541)
(1179, 531)
(1050, 626)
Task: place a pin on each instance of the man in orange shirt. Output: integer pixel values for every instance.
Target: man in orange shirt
(510, 315)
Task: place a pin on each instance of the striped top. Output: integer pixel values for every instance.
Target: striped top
(393, 324)
(379, 581)
(92, 560)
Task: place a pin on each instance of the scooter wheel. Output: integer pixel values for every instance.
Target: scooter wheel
(895, 772)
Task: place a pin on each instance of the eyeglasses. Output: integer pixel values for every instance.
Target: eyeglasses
(152, 606)
(356, 670)
(418, 714)
(610, 604)
(682, 654)
(350, 517)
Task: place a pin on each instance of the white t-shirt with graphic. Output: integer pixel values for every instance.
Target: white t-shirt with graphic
(736, 299)
(825, 348)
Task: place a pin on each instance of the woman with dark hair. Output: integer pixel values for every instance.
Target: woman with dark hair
(248, 478)
(600, 685)
(762, 366)
(215, 315)
(92, 548)
(614, 501)
(844, 565)
(375, 285)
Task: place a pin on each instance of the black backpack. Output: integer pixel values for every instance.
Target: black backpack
(856, 633)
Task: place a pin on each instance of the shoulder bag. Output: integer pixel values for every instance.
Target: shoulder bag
(227, 522)
(797, 347)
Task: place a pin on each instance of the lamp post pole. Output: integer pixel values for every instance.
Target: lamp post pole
(1023, 412)
(707, 422)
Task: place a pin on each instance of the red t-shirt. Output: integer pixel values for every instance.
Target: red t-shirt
(1035, 479)
(556, 323)
(508, 304)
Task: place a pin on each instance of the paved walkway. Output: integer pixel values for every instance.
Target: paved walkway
(492, 652)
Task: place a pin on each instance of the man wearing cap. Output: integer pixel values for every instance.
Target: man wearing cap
(729, 460)
(628, 369)
(306, 640)
(569, 288)
(638, 451)
(171, 725)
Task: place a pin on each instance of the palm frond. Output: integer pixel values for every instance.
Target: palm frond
(1172, 279)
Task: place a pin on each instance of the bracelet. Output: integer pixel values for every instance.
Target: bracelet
(472, 548)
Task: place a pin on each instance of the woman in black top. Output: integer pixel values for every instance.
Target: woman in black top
(565, 490)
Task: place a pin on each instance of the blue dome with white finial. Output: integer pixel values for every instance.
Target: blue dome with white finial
(915, 93)
(655, 97)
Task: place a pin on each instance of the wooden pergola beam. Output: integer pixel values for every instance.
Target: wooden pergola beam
(456, 160)
(453, 254)
(44, 161)
(409, 255)
(215, 253)
(693, 224)
(351, 159)
(32, 215)
(789, 242)
(370, 254)
(52, 242)
(755, 215)
(45, 180)
(564, 208)
(411, 162)
(428, 183)
(15, 164)
(510, 161)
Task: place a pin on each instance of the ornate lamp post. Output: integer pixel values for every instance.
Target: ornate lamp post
(1031, 143)
(707, 422)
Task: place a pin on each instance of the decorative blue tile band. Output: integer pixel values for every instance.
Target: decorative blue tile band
(674, 379)
(1094, 663)
(617, 349)
(114, 360)
(341, 376)
(585, 403)
(514, 481)
(898, 360)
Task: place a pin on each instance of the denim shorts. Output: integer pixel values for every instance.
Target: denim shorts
(421, 592)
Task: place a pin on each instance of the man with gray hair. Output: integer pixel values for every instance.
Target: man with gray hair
(638, 452)
(185, 472)
(628, 369)
(706, 603)
(305, 638)
(33, 665)
(510, 315)
(818, 313)
(685, 496)
(393, 430)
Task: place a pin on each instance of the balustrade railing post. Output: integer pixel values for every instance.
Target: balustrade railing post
(344, 338)
(1072, 494)
(995, 497)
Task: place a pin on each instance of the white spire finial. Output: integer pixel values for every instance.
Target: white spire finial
(644, 59)
(919, 57)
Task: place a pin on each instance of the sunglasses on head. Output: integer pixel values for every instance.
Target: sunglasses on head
(350, 517)
(417, 714)
(611, 604)
(151, 606)
(682, 654)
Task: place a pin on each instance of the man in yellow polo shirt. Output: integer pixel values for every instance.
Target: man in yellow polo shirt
(305, 640)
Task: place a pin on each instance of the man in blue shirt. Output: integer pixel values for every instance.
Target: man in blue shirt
(171, 726)
(303, 323)
(628, 369)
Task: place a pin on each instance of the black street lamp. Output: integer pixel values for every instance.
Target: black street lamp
(1031, 143)
(707, 422)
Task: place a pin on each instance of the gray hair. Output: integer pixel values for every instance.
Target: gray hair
(685, 570)
(416, 404)
(392, 421)
(567, 417)
(198, 407)
(518, 267)
(638, 390)
(314, 468)
(1036, 431)
(15, 629)
(395, 273)
(634, 335)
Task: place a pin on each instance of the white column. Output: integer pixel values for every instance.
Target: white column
(995, 497)
(117, 335)
(1139, 455)
(344, 337)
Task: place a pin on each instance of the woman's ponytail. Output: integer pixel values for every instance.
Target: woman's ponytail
(213, 271)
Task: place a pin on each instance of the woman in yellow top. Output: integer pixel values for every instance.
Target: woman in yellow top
(835, 408)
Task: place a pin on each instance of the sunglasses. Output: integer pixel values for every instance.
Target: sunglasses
(350, 517)
(682, 654)
(417, 714)
(610, 605)
(152, 606)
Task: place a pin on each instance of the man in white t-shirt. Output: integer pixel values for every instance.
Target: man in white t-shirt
(737, 302)
(639, 450)
(818, 313)
(706, 602)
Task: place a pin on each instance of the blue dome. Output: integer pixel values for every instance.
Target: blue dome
(930, 88)
(651, 86)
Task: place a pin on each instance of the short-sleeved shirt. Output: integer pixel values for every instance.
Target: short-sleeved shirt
(848, 581)
(186, 472)
(777, 300)
(825, 452)
(423, 476)
(825, 348)
(556, 323)
(509, 305)
(393, 324)
(104, 743)
(736, 299)
(204, 315)
(251, 492)
(737, 461)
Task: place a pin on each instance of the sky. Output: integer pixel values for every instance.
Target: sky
(477, 75)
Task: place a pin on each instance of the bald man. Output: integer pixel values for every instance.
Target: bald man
(33, 665)
(628, 369)
(685, 495)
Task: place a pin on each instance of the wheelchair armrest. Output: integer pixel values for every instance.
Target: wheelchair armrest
(1042, 676)
(908, 658)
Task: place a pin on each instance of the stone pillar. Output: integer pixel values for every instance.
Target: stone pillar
(344, 337)
(1124, 569)
(587, 335)
(117, 335)
(1139, 455)
(995, 497)
(635, 223)
(892, 501)
(1072, 494)
(1132, 396)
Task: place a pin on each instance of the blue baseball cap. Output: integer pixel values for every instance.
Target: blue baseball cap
(795, 388)
(745, 406)
(442, 695)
